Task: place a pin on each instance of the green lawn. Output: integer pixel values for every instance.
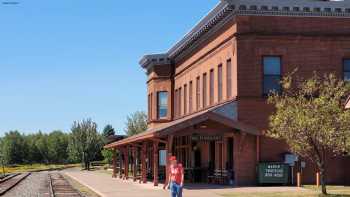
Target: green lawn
(311, 191)
(34, 167)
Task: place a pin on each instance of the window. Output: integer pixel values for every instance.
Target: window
(229, 79)
(150, 106)
(190, 93)
(198, 93)
(180, 101)
(176, 103)
(220, 83)
(162, 105)
(204, 90)
(211, 87)
(346, 69)
(185, 99)
(272, 74)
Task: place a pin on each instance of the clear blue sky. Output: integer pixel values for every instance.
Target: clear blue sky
(66, 60)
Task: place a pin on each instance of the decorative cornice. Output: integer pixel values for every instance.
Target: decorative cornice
(228, 8)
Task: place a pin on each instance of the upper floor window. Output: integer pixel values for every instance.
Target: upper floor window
(162, 104)
(220, 83)
(211, 87)
(229, 78)
(176, 103)
(204, 90)
(346, 69)
(198, 93)
(185, 98)
(190, 101)
(272, 74)
(180, 102)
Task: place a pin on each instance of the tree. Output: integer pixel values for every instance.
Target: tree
(107, 155)
(311, 118)
(136, 123)
(57, 143)
(108, 131)
(85, 142)
(13, 148)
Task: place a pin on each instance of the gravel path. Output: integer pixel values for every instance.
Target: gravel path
(35, 185)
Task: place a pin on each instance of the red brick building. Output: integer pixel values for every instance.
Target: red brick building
(207, 94)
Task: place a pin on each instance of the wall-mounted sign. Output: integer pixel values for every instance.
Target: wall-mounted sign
(273, 173)
(162, 158)
(197, 137)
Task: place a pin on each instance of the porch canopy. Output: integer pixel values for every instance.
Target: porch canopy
(224, 114)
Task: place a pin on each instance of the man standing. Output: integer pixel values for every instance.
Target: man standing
(176, 177)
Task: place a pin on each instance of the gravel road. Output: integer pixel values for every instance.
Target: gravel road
(35, 185)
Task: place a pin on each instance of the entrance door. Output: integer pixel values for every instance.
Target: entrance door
(197, 166)
(230, 160)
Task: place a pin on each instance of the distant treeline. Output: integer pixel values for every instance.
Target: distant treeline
(83, 143)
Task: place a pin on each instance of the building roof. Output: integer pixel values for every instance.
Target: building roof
(225, 114)
(226, 9)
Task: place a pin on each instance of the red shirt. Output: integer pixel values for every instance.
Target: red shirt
(176, 173)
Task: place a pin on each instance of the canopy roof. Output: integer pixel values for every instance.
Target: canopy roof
(225, 114)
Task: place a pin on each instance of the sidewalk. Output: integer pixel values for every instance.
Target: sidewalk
(106, 186)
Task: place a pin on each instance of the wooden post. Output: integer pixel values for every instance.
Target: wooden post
(318, 179)
(155, 163)
(126, 168)
(143, 160)
(169, 149)
(134, 156)
(121, 152)
(298, 179)
(257, 149)
(114, 163)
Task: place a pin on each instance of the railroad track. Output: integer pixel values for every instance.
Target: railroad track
(11, 181)
(60, 187)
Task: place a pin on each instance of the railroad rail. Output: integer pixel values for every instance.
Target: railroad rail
(11, 181)
(60, 187)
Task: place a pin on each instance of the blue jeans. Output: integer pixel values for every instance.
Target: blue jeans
(175, 189)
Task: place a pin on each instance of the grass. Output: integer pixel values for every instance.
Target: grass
(310, 191)
(84, 190)
(35, 167)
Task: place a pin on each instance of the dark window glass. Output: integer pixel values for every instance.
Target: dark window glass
(272, 74)
(211, 88)
(229, 79)
(204, 90)
(347, 70)
(176, 102)
(180, 101)
(220, 83)
(190, 94)
(198, 93)
(185, 99)
(162, 104)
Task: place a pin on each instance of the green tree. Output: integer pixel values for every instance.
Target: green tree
(13, 147)
(85, 142)
(108, 131)
(136, 123)
(311, 118)
(57, 142)
(41, 143)
(107, 155)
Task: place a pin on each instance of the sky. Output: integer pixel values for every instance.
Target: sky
(64, 60)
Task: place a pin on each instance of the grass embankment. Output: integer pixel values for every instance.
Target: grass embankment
(36, 167)
(309, 191)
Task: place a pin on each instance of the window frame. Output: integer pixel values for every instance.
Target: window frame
(343, 68)
(198, 93)
(190, 97)
(159, 107)
(220, 83)
(211, 86)
(263, 72)
(204, 90)
(229, 80)
(185, 99)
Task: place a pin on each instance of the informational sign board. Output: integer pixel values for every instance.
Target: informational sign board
(273, 173)
(197, 137)
(162, 158)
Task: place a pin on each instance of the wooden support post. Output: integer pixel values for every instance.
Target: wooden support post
(298, 179)
(169, 150)
(155, 163)
(121, 161)
(126, 168)
(114, 163)
(143, 160)
(257, 149)
(318, 179)
(134, 170)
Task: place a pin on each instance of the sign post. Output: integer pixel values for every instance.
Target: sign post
(273, 173)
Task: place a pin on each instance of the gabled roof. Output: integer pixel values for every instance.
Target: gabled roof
(226, 9)
(225, 114)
